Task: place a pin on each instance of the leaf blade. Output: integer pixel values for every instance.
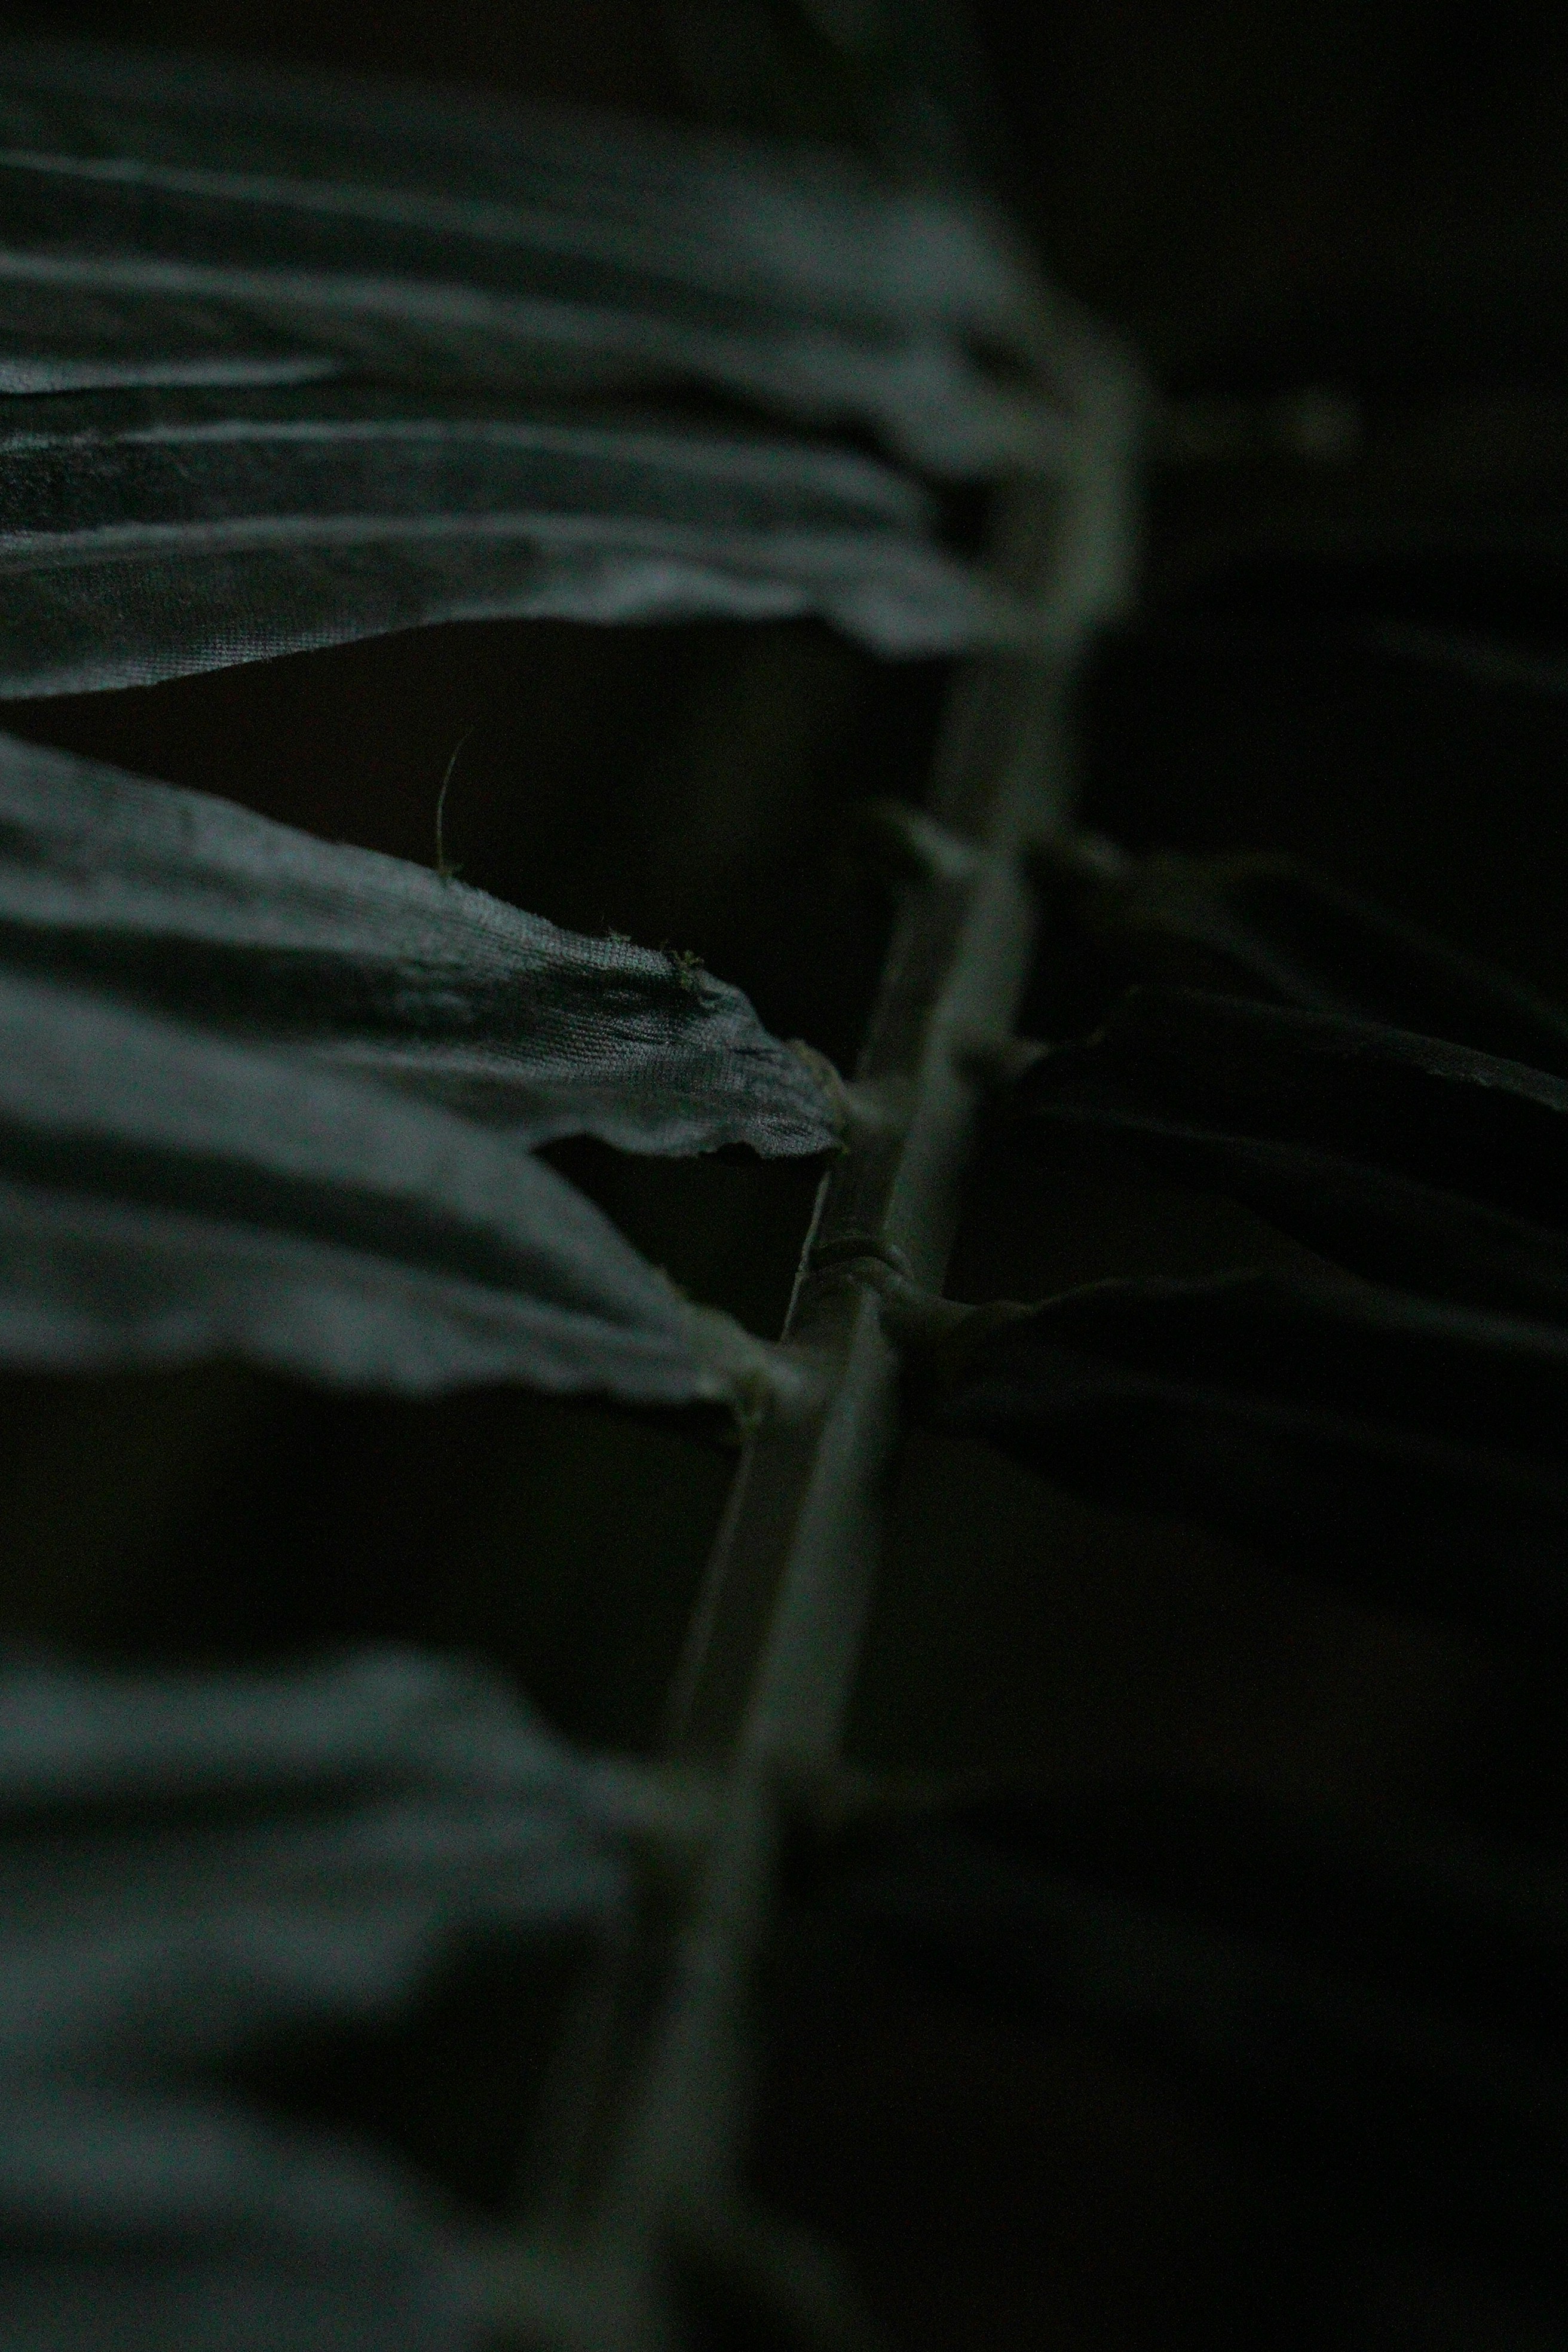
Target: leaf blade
(1400, 1157)
(1269, 927)
(196, 1865)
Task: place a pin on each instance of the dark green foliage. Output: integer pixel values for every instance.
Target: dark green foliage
(1373, 2017)
(1266, 926)
(1403, 1156)
(200, 1868)
(1379, 2015)
(1408, 1453)
(1100, 2066)
(1406, 1442)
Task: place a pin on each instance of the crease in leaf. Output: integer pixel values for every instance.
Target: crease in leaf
(151, 536)
(200, 909)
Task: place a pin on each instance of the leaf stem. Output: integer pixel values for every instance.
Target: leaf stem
(765, 1684)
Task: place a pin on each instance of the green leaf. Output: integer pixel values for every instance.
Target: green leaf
(1399, 1449)
(1404, 1157)
(1267, 926)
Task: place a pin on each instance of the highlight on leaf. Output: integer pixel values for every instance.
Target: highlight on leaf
(166, 1194)
(280, 355)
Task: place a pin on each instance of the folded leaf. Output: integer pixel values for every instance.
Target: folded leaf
(165, 1194)
(380, 1721)
(191, 1861)
(170, 220)
(195, 1862)
(1404, 1157)
(147, 536)
(1440, 1113)
(134, 2222)
(197, 908)
(1408, 1451)
(171, 1947)
(1265, 926)
(1385, 1226)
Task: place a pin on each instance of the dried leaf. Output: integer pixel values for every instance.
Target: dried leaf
(198, 908)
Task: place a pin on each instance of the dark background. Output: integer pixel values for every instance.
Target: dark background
(1335, 235)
